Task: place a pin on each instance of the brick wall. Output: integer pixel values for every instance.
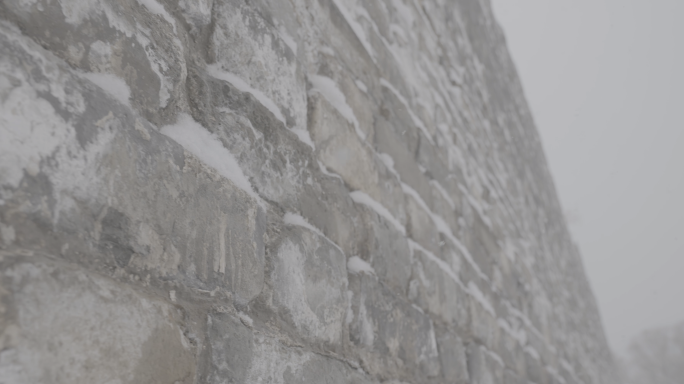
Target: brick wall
(271, 191)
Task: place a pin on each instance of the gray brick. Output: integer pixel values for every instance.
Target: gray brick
(238, 354)
(309, 281)
(433, 287)
(453, 358)
(395, 339)
(387, 251)
(62, 324)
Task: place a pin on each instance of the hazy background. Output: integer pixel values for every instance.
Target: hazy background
(604, 79)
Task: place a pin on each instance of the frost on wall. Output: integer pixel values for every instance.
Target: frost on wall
(304, 191)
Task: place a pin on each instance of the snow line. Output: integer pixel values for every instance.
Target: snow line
(444, 193)
(475, 292)
(112, 84)
(327, 88)
(216, 72)
(440, 263)
(357, 28)
(295, 219)
(470, 289)
(154, 7)
(444, 228)
(363, 198)
(357, 265)
(418, 122)
(208, 149)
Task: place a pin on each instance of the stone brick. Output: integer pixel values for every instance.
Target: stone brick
(238, 47)
(483, 323)
(483, 246)
(396, 340)
(281, 167)
(433, 159)
(387, 251)
(238, 354)
(445, 208)
(510, 377)
(86, 176)
(124, 41)
(483, 367)
(390, 140)
(434, 288)
(453, 358)
(62, 324)
(511, 352)
(116, 185)
(342, 151)
(360, 102)
(535, 369)
(420, 225)
(399, 123)
(309, 281)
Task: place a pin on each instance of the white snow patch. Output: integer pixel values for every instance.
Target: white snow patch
(444, 193)
(295, 219)
(298, 220)
(480, 297)
(389, 163)
(30, 129)
(327, 50)
(327, 172)
(363, 198)
(209, 149)
(495, 356)
(158, 9)
(532, 352)
(520, 335)
(327, 88)
(112, 84)
(303, 136)
(361, 86)
(246, 319)
(287, 38)
(215, 71)
(357, 265)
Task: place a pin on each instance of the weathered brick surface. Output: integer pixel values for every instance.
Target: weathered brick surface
(63, 324)
(304, 191)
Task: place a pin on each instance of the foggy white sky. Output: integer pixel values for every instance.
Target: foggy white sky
(605, 82)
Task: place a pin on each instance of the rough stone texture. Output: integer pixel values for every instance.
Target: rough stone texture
(304, 191)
